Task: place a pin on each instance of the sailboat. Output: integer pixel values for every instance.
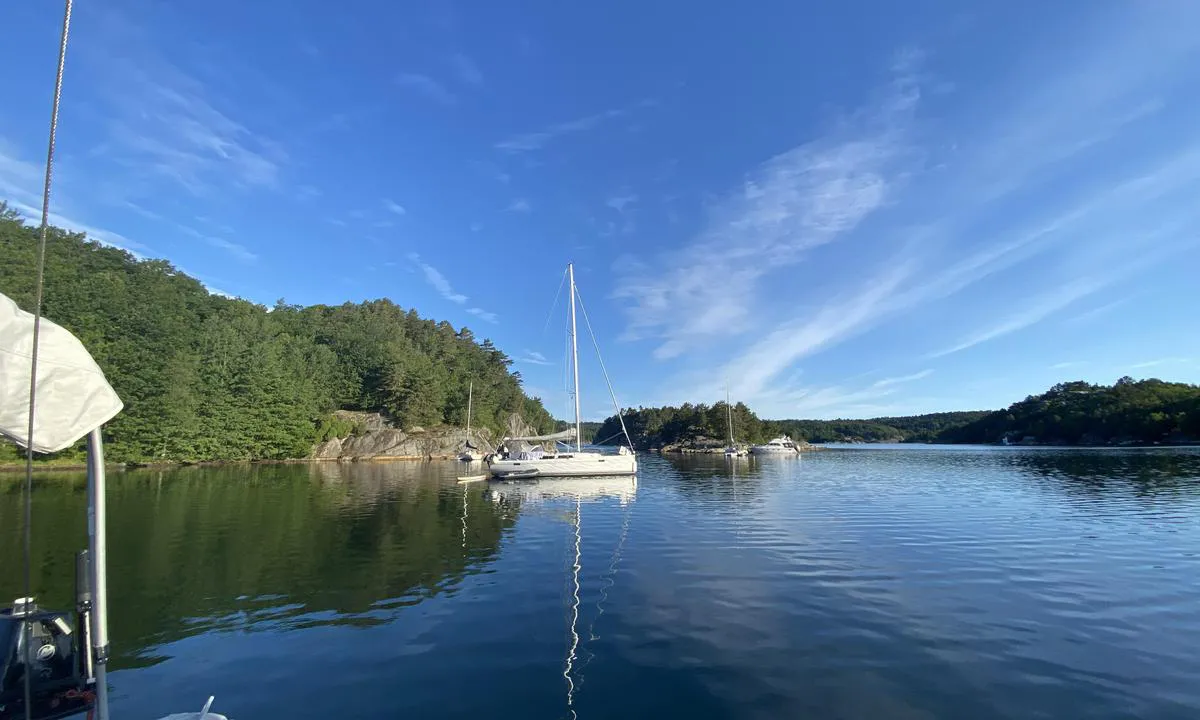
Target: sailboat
(470, 453)
(731, 450)
(515, 463)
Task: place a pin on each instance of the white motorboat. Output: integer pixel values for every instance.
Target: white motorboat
(782, 445)
(517, 459)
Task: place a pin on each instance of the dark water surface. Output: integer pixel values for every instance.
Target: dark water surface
(859, 583)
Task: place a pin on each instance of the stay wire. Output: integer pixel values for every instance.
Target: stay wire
(612, 393)
(39, 287)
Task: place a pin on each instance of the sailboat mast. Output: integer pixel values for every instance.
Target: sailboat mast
(470, 397)
(575, 359)
(729, 415)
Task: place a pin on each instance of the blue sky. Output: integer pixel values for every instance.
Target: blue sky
(847, 210)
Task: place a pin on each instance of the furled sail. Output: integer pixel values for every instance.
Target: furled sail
(73, 397)
(568, 434)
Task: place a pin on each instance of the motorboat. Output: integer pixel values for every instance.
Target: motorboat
(782, 445)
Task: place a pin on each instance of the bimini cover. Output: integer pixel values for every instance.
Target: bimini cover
(73, 398)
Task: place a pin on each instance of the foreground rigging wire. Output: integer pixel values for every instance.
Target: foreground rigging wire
(39, 285)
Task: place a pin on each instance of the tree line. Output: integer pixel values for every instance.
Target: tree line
(1128, 412)
(1074, 413)
(207, 377)
(689, 424)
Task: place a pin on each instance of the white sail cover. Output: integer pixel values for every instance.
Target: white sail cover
(568, 434)
(73, 398)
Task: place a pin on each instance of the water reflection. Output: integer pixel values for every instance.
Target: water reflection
(552, 491)
(1144, 471)
(907, 582)
(261, 547)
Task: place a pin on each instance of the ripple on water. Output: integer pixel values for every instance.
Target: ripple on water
(899, 583)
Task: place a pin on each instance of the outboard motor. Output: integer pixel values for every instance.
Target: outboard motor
(59, 661)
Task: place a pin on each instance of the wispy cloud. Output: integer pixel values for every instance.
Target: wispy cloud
(1035, 312)
(394, 207)
(438, 281)
(809, 196)
(762, 361)
(1134, 216)
(466, 69)
(1067, 364)
(426, 86)
(162, 122)
(533, 141)
(238, 251)
(520, 205)
(620, 201)
(1089, 315)
(886, 382)
(534, 358)
(1160, 361)
(483, 314)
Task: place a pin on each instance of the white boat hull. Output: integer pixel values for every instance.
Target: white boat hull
(771, 450)
(568, 465)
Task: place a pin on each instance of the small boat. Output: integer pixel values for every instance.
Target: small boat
(471, 453)
(731, 450)
(782, 445)
(517, 459)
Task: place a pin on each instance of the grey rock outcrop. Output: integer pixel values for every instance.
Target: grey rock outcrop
(376, 439)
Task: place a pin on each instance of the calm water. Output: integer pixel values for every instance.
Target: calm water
(858, 583)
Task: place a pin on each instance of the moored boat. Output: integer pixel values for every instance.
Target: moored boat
(516, 457)
(782, 445)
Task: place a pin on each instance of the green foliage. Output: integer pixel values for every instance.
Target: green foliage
(206, 377)
(587, 429)
(1079, 413)
(708, 424)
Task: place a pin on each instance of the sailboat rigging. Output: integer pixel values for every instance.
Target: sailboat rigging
(517, 459)
(470, 452)
(731, 449)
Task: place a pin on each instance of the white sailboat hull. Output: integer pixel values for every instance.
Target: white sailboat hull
(567, 465)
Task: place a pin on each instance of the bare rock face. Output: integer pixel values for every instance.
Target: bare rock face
(377, 439)
(517, 427)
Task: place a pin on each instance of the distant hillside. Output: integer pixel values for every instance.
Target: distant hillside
(1079, 413)
(588, 428)
(689, 424)
(1076, 413)
(206, 377)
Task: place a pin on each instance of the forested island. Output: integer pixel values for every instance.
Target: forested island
(1130, 412)
(206, 377)
(703, 425)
